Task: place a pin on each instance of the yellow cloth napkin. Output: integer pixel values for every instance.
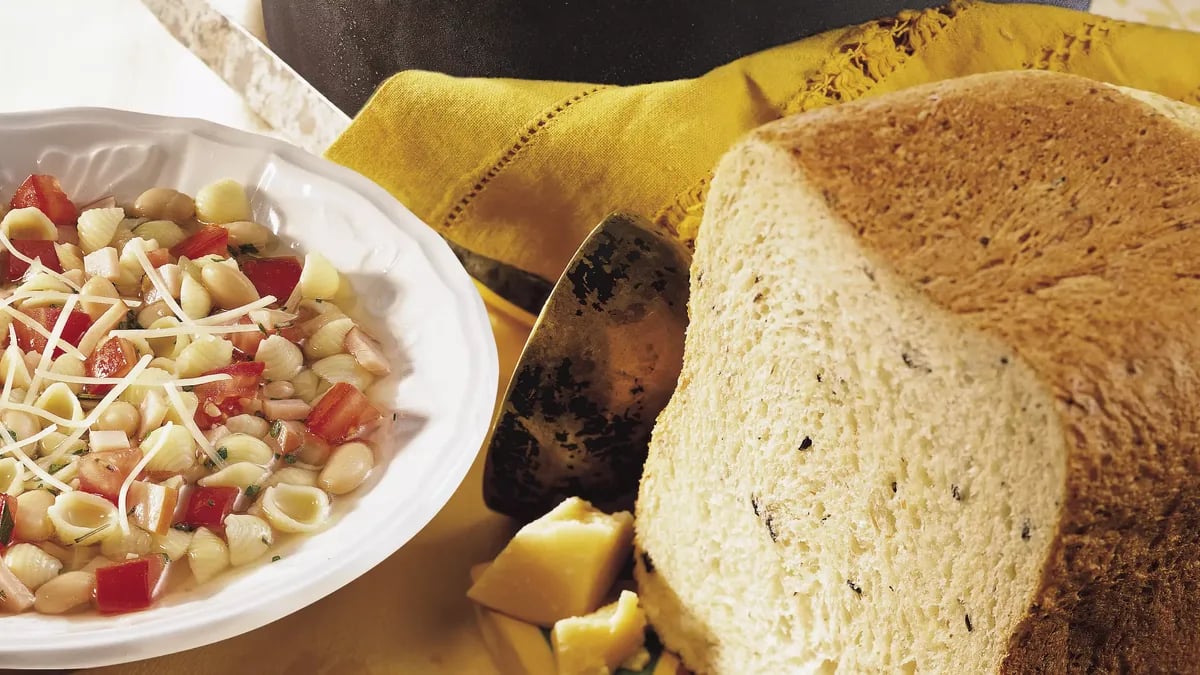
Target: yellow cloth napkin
(521, 171)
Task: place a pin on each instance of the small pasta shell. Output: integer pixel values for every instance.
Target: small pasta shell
(171, 346)
(281, 358)
(55, 443)
(343, 368)
(190, 403)
(31, 520)
(81, 518)
(250, 537)
(205, 353)
(69, 365)
(165, 232)
(296, 508)
(14, 360)
(207, 555)
(319, 279)
(70, 256)
(292, 475)
(224, 201)
(347, 468)
(20, 423)
(242, 447)
(12, 476)
(28, 223)
(43, 282)
(120, 546)
(97, 227)
(58, 399)
(251, 425)
(97, 286)
(173, 543)
(32, 565)
(239, 475)
(194, 298)
(178, 452)
(304, 385)
(329, 339)
(65, 592)
(149, 380)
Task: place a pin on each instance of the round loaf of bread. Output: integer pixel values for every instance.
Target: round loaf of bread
(940, 403)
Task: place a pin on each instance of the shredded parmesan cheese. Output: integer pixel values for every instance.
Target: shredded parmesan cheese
(83, 379)
(32, 393)
(15, 448)
(190, 424)
(237, 313)
(160, 285)
(123, 495)
(41, 330)
(35, 263)
(111, 318)
(184, 330)
(108, 399)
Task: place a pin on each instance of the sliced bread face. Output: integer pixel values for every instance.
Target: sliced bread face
(938, 411)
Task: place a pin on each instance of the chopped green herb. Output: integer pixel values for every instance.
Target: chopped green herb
(290, 459)
(13, 434)
(57, 466)
(277, 455)
(91, 533)
(7, 523)
(188, 387)
(261, 329)
(264, 540)
(252, 491)
(210, 503)
(246, 249)
(182, 527)
(129, 322)
(276, 428)
(80, 451)
(275, 559)
(223, 452)
(166, 558)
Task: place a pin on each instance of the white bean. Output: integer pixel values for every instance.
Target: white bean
(162, 203)
(119, 416)
(64, 593)
(229, 288)
(248, 233)
(347, 468)
(279, 389)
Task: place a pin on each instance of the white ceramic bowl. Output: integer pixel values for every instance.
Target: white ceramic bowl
(413, 293)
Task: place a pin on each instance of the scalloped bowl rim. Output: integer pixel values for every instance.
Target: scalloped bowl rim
(205, 624)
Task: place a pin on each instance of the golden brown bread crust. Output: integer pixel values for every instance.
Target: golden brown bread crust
(1096, 284)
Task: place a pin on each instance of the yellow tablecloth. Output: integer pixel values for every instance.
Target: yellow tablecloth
(520, 171)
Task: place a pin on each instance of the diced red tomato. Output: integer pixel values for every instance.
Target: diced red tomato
(45, 194)
(102, 473)
(247, 342)
(208, 507)
(342, 413)
(128, 586)
(113, 358)
(158, 257)
(15, 268)
(209, 240)
(273, 276)
(8, 520)
(227, 394)
(29, 339)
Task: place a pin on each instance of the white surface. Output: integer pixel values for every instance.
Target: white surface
(111, 53)
(419, 299)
